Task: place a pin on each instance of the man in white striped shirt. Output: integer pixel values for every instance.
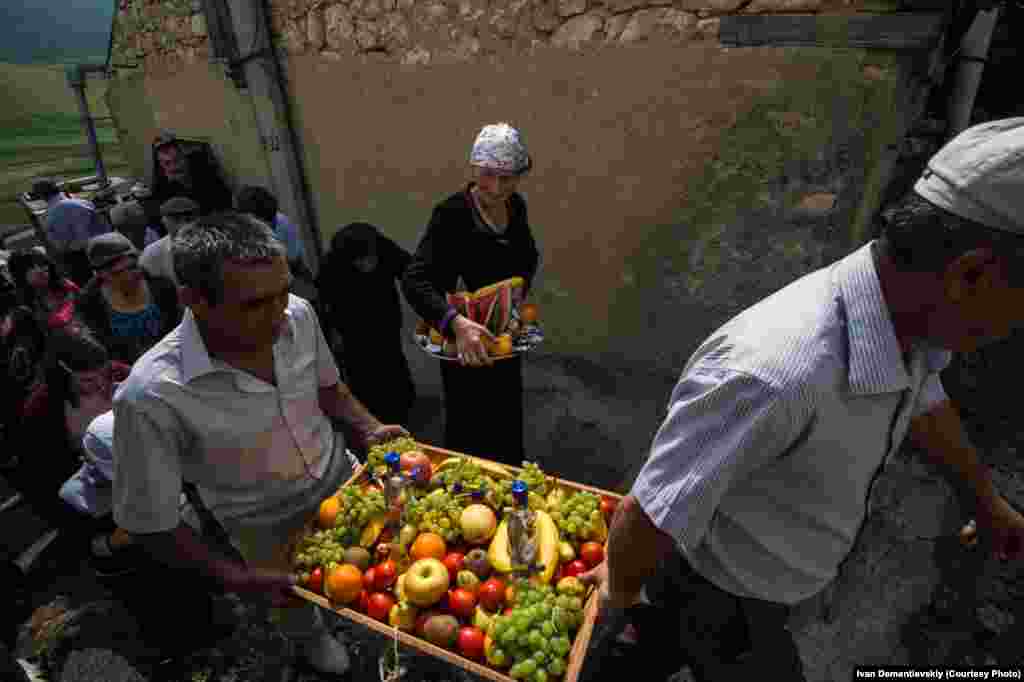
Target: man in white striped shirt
(759, 478)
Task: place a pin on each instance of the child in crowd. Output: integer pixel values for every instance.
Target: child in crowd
(78, 386)
(359, 300)
(89, 491)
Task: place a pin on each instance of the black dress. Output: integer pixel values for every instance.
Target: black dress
(365, 311)
(483, 405)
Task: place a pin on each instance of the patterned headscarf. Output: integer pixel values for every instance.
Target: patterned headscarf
(499, 147)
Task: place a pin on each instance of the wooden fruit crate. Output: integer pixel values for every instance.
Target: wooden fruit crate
(583, 634)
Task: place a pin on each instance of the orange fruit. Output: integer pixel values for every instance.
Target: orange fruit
(528, 313)
(428, 546)
(503, 346)
(436, 338)
(343, 583)
(329, 509)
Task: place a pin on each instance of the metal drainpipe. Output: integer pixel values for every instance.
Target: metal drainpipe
(972, 55)
(76, 75)
(262, 74)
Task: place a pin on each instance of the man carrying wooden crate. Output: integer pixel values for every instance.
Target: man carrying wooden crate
(760, 477)
(237, 400)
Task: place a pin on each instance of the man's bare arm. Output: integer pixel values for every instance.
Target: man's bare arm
(940, 434)
(183, 548)
(338, 402)
(635, 549)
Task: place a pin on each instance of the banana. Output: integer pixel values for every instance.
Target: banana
(485, 465)
(372, 531)
(547, 545)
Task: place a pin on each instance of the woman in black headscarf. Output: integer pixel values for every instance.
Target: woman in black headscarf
(359, 300)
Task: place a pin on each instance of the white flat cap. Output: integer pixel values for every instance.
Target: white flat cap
(979, 175)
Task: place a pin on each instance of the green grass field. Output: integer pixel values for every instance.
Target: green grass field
(41, 133)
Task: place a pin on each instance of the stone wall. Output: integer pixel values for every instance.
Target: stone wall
(444, 31)
(150, 30)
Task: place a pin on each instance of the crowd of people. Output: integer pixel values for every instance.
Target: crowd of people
(193, 412)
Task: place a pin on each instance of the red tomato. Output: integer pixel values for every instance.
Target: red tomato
(471, 642)
(491, 594)
(380, 606)
(608, 506)
(574, 568)
(592, 553)
(507, 611)
(369, 577)
(462, 603)
(316, 580)
(364, 601)
(385, 575)
(453, 562)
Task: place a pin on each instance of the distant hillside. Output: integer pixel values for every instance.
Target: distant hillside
(42, 90)
(47, 31)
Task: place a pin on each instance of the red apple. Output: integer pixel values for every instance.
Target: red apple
(364, 601)
(507, 611)
(316, 581)
(369, 577)
(380, 606)
(592, 553)
(608, 506)
(491, 594)
(462, 603)
(416, 460)
(421, 620)
(385, 575)
(574, 568)
(471, 643)
(453, 562)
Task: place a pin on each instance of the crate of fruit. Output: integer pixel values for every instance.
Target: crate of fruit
(442, 569)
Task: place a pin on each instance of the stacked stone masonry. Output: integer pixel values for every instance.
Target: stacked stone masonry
(440, 31)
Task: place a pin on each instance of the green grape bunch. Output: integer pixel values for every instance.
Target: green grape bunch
(358, 508)
(438, 512)
(577, 517)
(318, 549)
(538, 483)
(536, 636)
(401, 445)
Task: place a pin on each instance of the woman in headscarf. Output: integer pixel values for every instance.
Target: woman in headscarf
(359, 301)
(482, 235)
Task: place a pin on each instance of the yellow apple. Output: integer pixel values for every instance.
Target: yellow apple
(425, 582)
(478, 523)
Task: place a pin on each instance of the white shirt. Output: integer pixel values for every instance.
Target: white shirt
(157, 261)
(256, 452)
(777, 428)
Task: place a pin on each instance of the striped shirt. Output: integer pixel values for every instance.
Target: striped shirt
(777, 429)
(256, 452)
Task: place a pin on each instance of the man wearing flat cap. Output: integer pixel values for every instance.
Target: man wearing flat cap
(156, 258)
(759, 479)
